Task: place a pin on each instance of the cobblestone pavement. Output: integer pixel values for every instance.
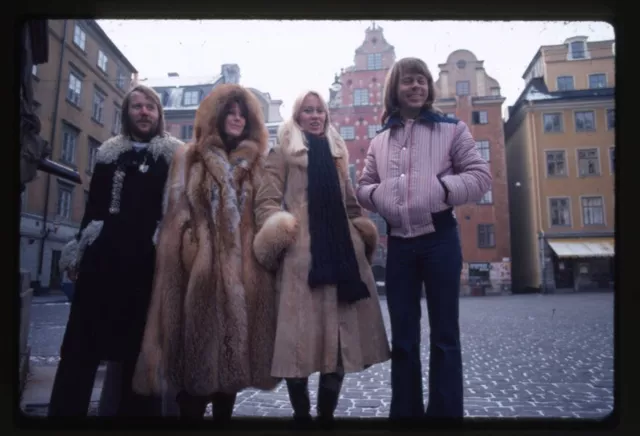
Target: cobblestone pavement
(524, 355)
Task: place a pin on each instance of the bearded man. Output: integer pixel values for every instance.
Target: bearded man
(112, 260)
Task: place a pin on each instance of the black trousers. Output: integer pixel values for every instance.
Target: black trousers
(74, 382)
(194, 406)
(434, 260)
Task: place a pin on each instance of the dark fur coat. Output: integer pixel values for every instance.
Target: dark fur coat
(211, 323)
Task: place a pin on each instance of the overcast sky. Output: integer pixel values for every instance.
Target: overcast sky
(285, 57)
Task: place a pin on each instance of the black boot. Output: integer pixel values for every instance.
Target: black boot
(299, 397)
(328, 396)
(222, 405)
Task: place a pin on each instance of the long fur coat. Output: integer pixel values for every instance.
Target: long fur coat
(211, 322)
(313, 327)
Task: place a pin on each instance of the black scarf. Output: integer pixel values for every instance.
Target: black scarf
(333, 258)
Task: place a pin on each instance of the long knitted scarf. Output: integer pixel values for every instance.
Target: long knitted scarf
(333, 258)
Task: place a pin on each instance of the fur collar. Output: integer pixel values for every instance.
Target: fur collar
(293, 145)
(164, 146)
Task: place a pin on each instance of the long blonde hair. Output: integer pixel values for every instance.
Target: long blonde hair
(291, 131)
(390, 93)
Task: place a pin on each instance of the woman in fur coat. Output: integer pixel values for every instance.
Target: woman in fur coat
(313, 232)
(211, 323)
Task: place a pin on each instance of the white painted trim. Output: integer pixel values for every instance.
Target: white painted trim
(578, 149)
(595, 121)
(606, 80)
(604, 210)
(562, 126)
(566, 163)
(552, 197)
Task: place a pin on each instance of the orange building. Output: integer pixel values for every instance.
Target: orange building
(466, 91)
(560, 139)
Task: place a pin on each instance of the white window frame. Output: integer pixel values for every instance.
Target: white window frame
(361, 97)
(575, 120)
(603, 210)
(74, 91)
(64, 203)
(80, 37)
(598, 166)
(550, 214)
(191, 98)
(103, 61)
(348, 133)
(485, 152)
(97, 108)
(564, 157)
(69, 144)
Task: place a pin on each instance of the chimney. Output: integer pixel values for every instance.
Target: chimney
(173, 75)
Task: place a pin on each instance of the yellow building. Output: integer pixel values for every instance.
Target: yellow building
(560, 146)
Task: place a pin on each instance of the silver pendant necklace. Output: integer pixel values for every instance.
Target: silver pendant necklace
(143, 168)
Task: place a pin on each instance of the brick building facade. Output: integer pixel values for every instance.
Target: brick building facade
(465, 91)
(355, 106)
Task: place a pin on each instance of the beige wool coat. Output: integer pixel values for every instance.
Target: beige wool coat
(312, 327)
(211, 321)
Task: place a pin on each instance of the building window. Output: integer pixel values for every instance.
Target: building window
(592, 211)
(588, 164)
(372, 130)
(93, 152)
(597, 80)
(117, 121)
(65, 195)
(487, 198)
(479, 117)
(120, 79)
(374, 61)
(611, 119)
(484, 149)
(103, 60)
(191, 98)
(612, 159)
(553, 123)
(578, 50)
(560, 211)
(75, 89)
(97, 112)
(486, 236)
(361, 97)
(556, 163)
(352, 173)
(348, 133)
(565, 83)
(585, 121)
(79, 37)
(69, 142)
(495, 91)
(462, 88)
(187, 132)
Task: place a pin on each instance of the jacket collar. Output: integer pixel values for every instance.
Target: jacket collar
(395, 119)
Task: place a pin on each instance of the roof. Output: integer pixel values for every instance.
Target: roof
(177, 81)
(536, 91)
(96, 27)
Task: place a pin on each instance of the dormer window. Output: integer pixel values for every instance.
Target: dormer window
(578, 50)
(191, 98)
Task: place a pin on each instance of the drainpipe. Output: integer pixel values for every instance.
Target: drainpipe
(536, 173)
(54, 123)
(543, 264)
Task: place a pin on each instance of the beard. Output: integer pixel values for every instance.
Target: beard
(142, 135)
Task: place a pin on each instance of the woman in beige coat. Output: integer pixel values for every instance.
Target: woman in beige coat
(313, 232)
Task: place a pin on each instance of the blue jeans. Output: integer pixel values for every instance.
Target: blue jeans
(434, 260)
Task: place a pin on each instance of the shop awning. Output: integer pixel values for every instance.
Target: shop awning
(593, 247)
